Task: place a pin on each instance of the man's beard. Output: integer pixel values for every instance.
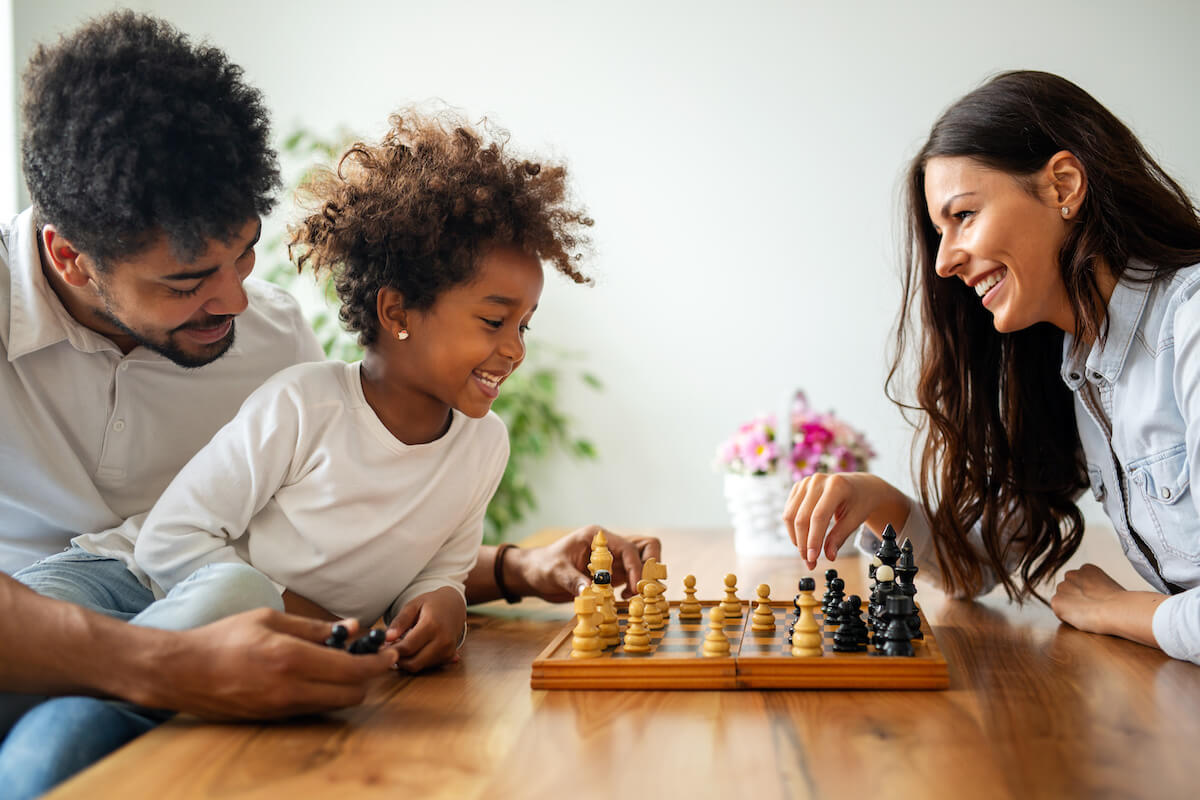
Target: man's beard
(167, 347)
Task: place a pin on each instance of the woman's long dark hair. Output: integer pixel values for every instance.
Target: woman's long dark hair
(1000, 443)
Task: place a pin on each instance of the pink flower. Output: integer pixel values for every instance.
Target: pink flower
(843, 460)
(761, 457)
(816, 434)
(805, 460)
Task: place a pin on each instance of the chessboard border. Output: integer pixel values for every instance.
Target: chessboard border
(927, 670)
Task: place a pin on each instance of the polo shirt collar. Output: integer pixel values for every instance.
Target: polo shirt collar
(37, 318)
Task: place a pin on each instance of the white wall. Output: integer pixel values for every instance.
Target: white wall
(741, 161)
(8, 144)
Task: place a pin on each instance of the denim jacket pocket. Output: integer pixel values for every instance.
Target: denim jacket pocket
(1164, 481)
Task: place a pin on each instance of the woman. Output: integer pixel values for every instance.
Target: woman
(1055, 267)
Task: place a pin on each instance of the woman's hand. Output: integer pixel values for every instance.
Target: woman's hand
(1090, 600)
(845, 500)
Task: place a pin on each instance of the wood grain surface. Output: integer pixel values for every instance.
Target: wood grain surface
(1034, 709)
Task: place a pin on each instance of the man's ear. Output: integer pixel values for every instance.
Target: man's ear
(74, 267)
(1067, 182)
(393, 318)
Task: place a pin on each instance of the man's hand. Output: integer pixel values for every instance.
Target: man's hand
(558, 571)
(257, 665)
(426, 631)
(1090, 600)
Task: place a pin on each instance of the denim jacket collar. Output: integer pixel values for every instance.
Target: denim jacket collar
(1107, 358)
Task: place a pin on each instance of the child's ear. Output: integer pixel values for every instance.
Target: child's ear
(393, 318)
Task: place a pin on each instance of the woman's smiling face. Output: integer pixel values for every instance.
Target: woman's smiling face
(1000, 239)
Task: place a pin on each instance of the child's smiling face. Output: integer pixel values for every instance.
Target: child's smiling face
(462, 348)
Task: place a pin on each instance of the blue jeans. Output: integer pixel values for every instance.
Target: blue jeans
(62, 736)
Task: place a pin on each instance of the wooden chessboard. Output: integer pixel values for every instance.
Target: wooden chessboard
(757, 660)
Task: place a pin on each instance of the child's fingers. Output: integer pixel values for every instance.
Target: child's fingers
(416, 637)
(403, 621)
(824, 512)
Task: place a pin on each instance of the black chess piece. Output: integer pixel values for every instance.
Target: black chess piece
(830, 574)
(337, 636)
(834, 615)
(805, 585)
(884, 588)
(851, 636)
(896, 636)
(888, 552)
(906, 570)
(604, 577)
(370, 643)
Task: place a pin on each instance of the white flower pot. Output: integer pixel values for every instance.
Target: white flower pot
(755, 504)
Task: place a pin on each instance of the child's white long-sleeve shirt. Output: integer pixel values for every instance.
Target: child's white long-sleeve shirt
(307, 485)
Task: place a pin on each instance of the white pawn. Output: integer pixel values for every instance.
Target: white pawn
(586, 641)
(689, 608)
(763, 618)
(733, 606)
(716, 643)
(636, 638)
(806, 633)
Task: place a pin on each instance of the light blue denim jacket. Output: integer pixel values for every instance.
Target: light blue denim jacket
(1146, 380)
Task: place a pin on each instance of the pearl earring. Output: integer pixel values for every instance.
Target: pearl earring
(401, 334)
(1066, 212)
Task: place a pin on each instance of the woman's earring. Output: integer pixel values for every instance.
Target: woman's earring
(402, 334)
(1066, 212)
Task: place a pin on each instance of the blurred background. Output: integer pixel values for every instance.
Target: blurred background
(741, 160)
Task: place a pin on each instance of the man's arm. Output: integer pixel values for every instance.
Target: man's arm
(255, 665)
(557, 571)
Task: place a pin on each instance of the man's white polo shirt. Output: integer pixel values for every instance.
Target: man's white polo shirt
(89, 438)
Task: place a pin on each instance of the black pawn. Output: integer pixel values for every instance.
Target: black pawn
(888, 552)
(834, 615)
(906, 570)
(883, 590)
(337, 636)
(830, 574)
(370, 643)
(604, 577)
(851, 637)
(896, 636)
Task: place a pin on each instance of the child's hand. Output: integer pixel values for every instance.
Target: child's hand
(846, 499)
(426, 631)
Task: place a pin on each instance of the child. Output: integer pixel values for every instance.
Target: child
(360, 489)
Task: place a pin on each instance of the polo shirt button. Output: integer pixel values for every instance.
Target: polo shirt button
(119, 425)
(1074, 376)
(1165, 493)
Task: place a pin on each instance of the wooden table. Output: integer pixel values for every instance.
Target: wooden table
(1035, 709)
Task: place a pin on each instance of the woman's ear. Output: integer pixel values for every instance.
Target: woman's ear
(393, 317)
(1067, 182)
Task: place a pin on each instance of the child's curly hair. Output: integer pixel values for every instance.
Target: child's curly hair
(415, 212)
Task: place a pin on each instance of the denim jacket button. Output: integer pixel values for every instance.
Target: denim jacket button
(1165, 493)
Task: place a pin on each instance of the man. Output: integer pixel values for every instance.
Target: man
(130, 334)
